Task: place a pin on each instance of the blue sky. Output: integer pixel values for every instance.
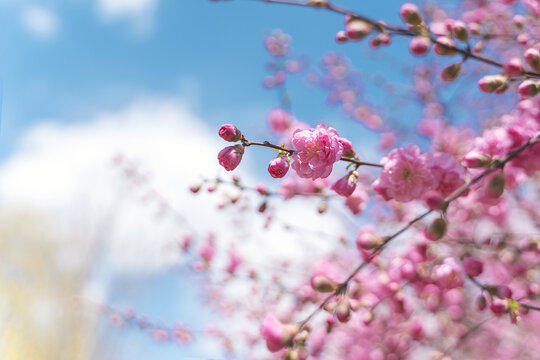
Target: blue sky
(83, 60)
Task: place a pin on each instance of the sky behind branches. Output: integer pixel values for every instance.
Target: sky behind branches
(82, 80)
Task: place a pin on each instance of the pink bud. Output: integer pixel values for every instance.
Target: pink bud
(473, 267)
(279, 120)
(346, 185)
(341, 36)
(444, 46)
(343, 310)
(513, 67)
(434, 200)
(276, 334)
(529, 88)
(261, 189)
(195, 188)
(474, 160)
(451, 72)
(419, 45)
(410, 14)
(523, 39)
(229, 132)
(348, 150)
(505, 291)
(231, 156)
(498, 306)
(357, 29)
(279, 166)
(368, 240)
(436, 230)
(322, 283)
(459, 31)
(490, 83)
(532, 57)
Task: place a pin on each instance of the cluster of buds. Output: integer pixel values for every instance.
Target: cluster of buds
(230, 156)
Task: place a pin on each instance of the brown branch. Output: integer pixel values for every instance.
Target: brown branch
(383, 27)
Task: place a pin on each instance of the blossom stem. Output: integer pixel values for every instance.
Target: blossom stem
(383, 27)
(247, 143)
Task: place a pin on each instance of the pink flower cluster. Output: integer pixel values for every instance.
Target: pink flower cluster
(316, 151)
(408, 174)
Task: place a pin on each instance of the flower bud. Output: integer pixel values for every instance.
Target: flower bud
(276, 334)
(459, 31)
(444, 46)
(490, 83)
(341, 36)
(529, 88)
(346, 185)
(419, 45)
(357, 29)
(475, 159)
(504, 291)
(473, 267)
(230, 133)
(279, 166)
(498, 306)
(348, 150)
(437, 229)
(195, 188)
(343, 310)
(451, 72)
(322, 207)
(230, 157)
(532, 57)
(322, 283)
(410, 14)
(434, 201)
(513, 67)
(367, 240)
(495, 186)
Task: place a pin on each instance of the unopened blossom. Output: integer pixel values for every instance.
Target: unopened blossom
(444, 46)
(513, 67)
(231, 156)
(276, 334)
(229, 132)
(346, 185)
(406, 175)
(316, 151)
(279, 120)
(348, 150)
(473, 267)
(419, 45)
(532, 57)
(410, 14)
(279, 166)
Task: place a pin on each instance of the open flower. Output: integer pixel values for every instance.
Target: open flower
(316, 151)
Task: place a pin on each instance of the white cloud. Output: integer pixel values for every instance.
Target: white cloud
(139, 12)
(39, 21)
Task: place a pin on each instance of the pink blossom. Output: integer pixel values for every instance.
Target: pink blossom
(473, 267)
(279, 120)
(279, 166)
(449, 172)
(346, 185)
(231, 156)
(406, 175)
(229, 132)
(276, 334)
(348, 150)
(419, 45)
(316, 151)
(533, 6)
(448, 274)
